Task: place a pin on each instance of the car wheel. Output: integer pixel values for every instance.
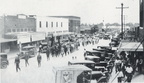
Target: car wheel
(3, 66)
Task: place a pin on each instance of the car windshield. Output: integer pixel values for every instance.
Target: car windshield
(3, 56)
(28, 48)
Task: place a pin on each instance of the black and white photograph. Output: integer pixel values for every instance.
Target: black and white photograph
(71, 41)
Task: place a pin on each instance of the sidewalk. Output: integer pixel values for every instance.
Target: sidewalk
(137, 78)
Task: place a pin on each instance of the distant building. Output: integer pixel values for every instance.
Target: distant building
(74, 23)
(85, 29)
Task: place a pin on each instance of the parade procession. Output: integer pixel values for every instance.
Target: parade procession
(69, 41)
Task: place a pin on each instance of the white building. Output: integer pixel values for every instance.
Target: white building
(52, 25)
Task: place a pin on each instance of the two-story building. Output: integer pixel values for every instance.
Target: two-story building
(28, 29)
(74, 23)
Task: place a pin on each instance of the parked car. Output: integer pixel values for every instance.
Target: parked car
(96, 59)
(106, 37)
(30, 50)
(94, 53)
(97, 74)
(87, 63)
(3, 60)
(43, 48)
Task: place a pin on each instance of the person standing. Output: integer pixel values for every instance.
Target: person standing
(48, 53)
(120, 76)
(62, 51)
(129, 73)
(17, 62)
(140, 64)
(39, 60)
(26, 59)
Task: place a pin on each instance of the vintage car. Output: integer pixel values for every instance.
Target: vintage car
(94, 53)
(29, 50)
(102, 63)
(3, 60)
(90, 64)
(115, 41)
(99, 49)
(96, 59)
(43, 48)
(106, 37)
(97, 74)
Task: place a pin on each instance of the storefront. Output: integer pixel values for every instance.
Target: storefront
(6, 44)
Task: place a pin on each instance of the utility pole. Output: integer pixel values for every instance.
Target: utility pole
(122, 17)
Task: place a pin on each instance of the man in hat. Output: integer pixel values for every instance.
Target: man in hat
(39, 60)
(17, 61)
(26, 59)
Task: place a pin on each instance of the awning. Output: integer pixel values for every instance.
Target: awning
(130, 46)
(26, 37)
(2, 40)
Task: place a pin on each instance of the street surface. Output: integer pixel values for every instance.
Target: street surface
(45, 74)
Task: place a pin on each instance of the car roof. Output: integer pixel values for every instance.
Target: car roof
(94, 51)
(81, 61)
(92, 56)
(3, 53)
(43, 43)
(28, 46)
(72, 67)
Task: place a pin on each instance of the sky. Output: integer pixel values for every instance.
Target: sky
(90, 11)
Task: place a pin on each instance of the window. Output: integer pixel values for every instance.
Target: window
(51, 24)
(13, 30)
(18, 30)
(61, 24)
(21, 30)
(46, 24)
(25, 30)
(40, 24)
(8, 30)
(56, 24)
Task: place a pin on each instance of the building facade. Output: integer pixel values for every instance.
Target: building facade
(19, 23)
(74, 23)
(51, 25)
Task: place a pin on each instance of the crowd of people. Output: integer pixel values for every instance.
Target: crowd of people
(127, 63)
(59, 49)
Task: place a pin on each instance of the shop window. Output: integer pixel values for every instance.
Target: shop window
(28, 29)
(40, 24)
(13, 30)
(21, 30)
(56, 24)
(8, 30)
(61, 24)
(46, 24)
(51, 24)
(18, 30)
(25, 30)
